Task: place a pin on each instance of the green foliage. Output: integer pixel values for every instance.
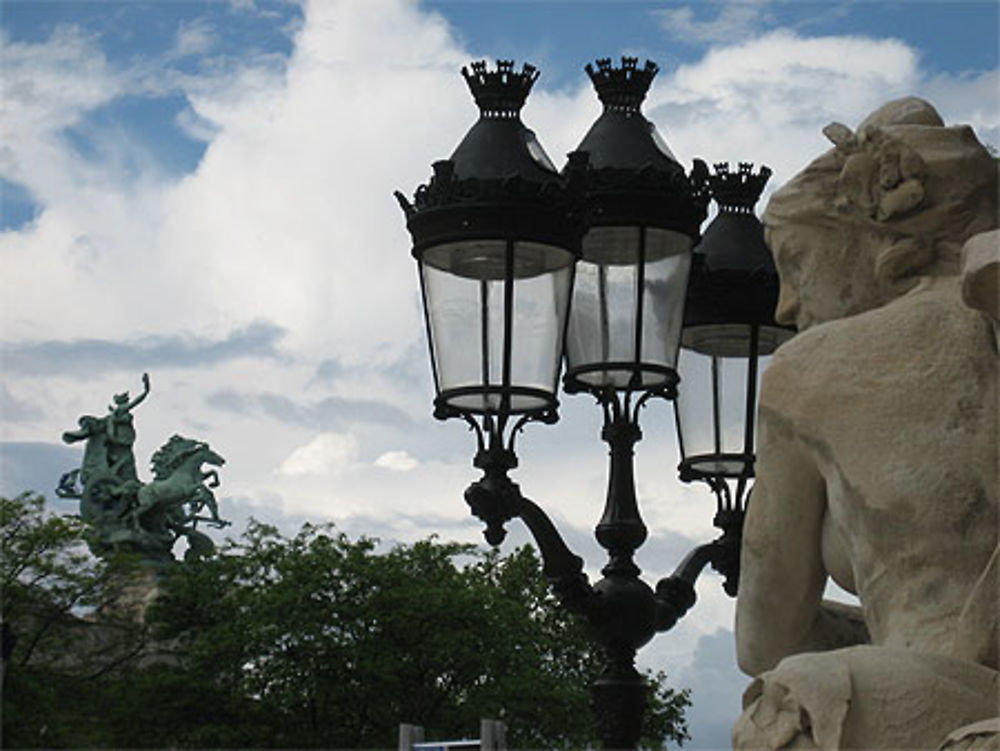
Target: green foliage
(323, 641)
(47, 580)
(44, 570)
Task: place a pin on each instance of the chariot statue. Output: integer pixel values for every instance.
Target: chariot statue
(125, 514)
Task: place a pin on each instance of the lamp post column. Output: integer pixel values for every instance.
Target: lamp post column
(621, 529)
(628, 621)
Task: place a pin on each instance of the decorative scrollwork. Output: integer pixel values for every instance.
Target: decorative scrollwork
(738, 191)
(445, 188)
(500, 93)
(622, 89)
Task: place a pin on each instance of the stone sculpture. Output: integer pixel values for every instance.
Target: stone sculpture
(125, 514)
(878, 454)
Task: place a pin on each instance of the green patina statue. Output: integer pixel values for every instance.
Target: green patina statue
(125, 514)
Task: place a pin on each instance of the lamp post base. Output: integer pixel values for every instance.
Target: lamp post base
(619, 697)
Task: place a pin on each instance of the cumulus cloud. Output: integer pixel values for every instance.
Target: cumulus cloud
(326, 454)
(196, 127)
(47, 87)
(397, 461)
(282, 220)
(767, 99)
(97, 242)
(308, 156)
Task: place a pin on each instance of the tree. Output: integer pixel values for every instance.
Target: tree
(311, 641)
(48, 582)
(332, 644)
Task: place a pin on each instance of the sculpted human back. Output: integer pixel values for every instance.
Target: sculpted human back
(877, 459)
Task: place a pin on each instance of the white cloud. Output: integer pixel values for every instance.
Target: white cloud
(49, 85)
(194, 38)
(766, 100)
(716, 687)
(734, 21)
(289, 217)
(196, 127)
(397, 461)
(282, 221)
(971, 97)
(326, 454)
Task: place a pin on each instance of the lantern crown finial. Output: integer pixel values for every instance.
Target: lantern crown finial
(738, 191)
(500, 93)
(622, 89)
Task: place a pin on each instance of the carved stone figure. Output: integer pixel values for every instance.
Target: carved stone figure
(126, 514)
(878, 453)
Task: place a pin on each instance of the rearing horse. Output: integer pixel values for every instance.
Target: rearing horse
(178, 480)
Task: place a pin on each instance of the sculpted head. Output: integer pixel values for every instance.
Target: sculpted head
(892, 202)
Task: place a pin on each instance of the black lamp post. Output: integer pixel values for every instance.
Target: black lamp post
(625, 326)
(497, 234)
(728, 326)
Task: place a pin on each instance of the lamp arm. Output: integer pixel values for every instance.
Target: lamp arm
(495, 498)
(690, 568)
(562, 567)
(675, 594)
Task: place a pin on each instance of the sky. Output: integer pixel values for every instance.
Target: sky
(203, 191)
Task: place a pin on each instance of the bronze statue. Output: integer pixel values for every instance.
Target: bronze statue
(125, 514)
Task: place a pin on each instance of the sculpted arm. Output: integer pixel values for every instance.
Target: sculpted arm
(145, 392)
(780, 610)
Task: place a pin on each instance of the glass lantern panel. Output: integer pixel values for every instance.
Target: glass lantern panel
(711, 407)
(667, 268)
(465, 294)
(602, 347)
(602, 323)
(541, 304)
(459, 311)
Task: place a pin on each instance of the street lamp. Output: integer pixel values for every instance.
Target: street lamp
(644, 217)
(498, 235)
(728, 326)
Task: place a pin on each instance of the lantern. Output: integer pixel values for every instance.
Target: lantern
(728, 327)
(644, 216)
(496, 251)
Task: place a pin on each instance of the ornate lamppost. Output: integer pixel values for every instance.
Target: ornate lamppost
(499, 236)
(728, 326)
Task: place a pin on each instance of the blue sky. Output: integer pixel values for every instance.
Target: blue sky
(203, 190)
